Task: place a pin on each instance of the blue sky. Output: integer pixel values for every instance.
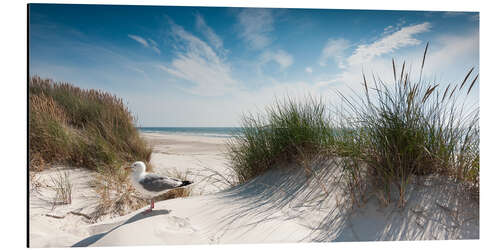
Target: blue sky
(192, 66)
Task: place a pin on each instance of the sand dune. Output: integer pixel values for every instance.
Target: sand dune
(268, 210)
(283, 205)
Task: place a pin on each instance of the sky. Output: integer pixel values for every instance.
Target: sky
(207, 66)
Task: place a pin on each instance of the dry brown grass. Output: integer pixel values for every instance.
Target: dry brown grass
(34, 182)
(116, 195)
(36, 162)
(48, 135)
(84, 128)
(62, 186)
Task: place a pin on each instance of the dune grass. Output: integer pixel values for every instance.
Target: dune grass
(62, 186)
(382, 137)
(287, 131)
(85, 128)
(89, 129)
(116, 195)
(407, 128)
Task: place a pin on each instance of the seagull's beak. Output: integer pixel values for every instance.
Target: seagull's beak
(127, 167)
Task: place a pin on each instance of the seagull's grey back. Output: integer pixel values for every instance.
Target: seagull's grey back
(156, 183)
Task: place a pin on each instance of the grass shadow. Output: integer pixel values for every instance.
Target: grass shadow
(285, 194)
(438, 209)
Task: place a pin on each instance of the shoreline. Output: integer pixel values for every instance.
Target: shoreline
(211, 132)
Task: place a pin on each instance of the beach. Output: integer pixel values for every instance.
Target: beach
(197, 156)
(64, 225)
(231, 125)
(283, 205)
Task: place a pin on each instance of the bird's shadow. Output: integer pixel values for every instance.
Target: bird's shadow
(92, 239)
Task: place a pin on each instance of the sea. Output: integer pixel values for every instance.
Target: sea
(224, 132)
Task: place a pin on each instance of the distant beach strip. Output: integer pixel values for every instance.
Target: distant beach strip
(224, 132)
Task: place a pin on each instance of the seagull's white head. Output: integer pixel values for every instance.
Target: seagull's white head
(137, 167)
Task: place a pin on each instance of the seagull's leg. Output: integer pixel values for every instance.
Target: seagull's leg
(150, 207)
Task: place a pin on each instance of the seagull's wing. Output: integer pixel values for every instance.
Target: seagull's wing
(156, 183)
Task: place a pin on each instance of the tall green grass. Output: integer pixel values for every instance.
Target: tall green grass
(85, 128)
(286, 132)
(383, 137)
(407, 128)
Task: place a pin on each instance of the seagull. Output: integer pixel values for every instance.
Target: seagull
(151, 185)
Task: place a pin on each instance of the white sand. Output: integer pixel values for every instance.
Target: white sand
(60, 226)
(280, 206)
(45, 229)
(197, 155)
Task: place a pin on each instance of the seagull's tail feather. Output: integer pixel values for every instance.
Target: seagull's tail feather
(185, 183)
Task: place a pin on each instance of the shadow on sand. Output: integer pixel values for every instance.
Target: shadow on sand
(92, 239)
(315, 198)
(295, 193)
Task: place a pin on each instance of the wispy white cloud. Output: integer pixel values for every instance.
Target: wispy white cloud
(334, 49)
(139, 40)
(255, 25)
(154, 46)
(136, 69)
(281, 57)
(350, 77)
(448, 59)
(387, 44)
(149, 43)
(199, 65)
(158, 51)
(309, 70)
(453, 55)
(208, 32)
(152, 42)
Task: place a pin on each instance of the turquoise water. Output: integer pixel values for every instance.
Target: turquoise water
(200, 131)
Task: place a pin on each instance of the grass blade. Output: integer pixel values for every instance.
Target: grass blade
(472, 84)
(444, 95)
(465, 79)
(423, 62)
(394, 70)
